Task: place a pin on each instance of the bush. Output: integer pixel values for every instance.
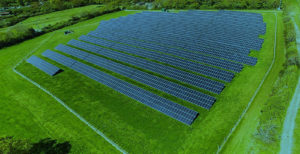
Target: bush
(289, 32)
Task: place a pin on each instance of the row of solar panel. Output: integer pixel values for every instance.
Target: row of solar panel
(218, 44)
(161, 34)
(249, 15)
(250, 29)
(176, 29)
(186, 21)
(195, 37)
(156, 102)
(200, 49)
(196, 67)
(217, 30)
(243, 37)
(43, 65)
(168, 50)
(175, 16)
(192, 79)
(174, 89)
(233, 46)
(189, 23)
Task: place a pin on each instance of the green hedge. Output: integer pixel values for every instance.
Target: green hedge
(18, 33)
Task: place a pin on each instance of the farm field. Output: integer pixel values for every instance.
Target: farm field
(115, 114)
(38, 22)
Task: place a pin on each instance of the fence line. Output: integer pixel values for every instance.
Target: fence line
(253, 97)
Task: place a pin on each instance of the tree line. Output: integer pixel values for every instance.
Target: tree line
(169, 4)
(19, 33)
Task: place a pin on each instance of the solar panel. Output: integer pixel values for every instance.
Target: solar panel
(156, 102)
(188, 65)
(203, 49)
(43, 65)
(213, 61)
(192, 79)
(169, 87)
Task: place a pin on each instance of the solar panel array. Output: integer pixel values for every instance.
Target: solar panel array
(178, 62)
(172, 88)
(163, 105)
(43, 65)
(195, 80)
(202, 49)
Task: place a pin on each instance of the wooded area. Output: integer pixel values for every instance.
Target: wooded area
(175, 4)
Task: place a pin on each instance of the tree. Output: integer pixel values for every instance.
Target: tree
(50, 146)
(10, 145)
(21, 2)
(57, 4)
(5, 3)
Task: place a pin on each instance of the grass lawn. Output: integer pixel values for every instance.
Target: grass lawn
(137, 128)
(28, 113)
(38, 22)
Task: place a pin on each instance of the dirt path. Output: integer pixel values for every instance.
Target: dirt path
(286, 144)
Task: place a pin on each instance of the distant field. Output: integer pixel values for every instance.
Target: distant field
(128, 123)
(38, 22)
(28, 113)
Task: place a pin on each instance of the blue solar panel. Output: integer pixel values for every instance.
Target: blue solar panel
(43, 65)
(156, 102)
(221, 63)
(174, 89)
(195, 80)
(188, 65)
(200, 48)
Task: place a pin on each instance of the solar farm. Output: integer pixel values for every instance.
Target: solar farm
(181, 43)
(167, 70)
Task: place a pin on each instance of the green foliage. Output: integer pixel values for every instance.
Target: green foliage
(274, 110)
(10, 145)
(289, 32)
(16, 34)
(209, 4)
(20, 33)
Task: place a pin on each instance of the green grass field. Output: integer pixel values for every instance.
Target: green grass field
(126, 121)
(28, 113)
(38, 22)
